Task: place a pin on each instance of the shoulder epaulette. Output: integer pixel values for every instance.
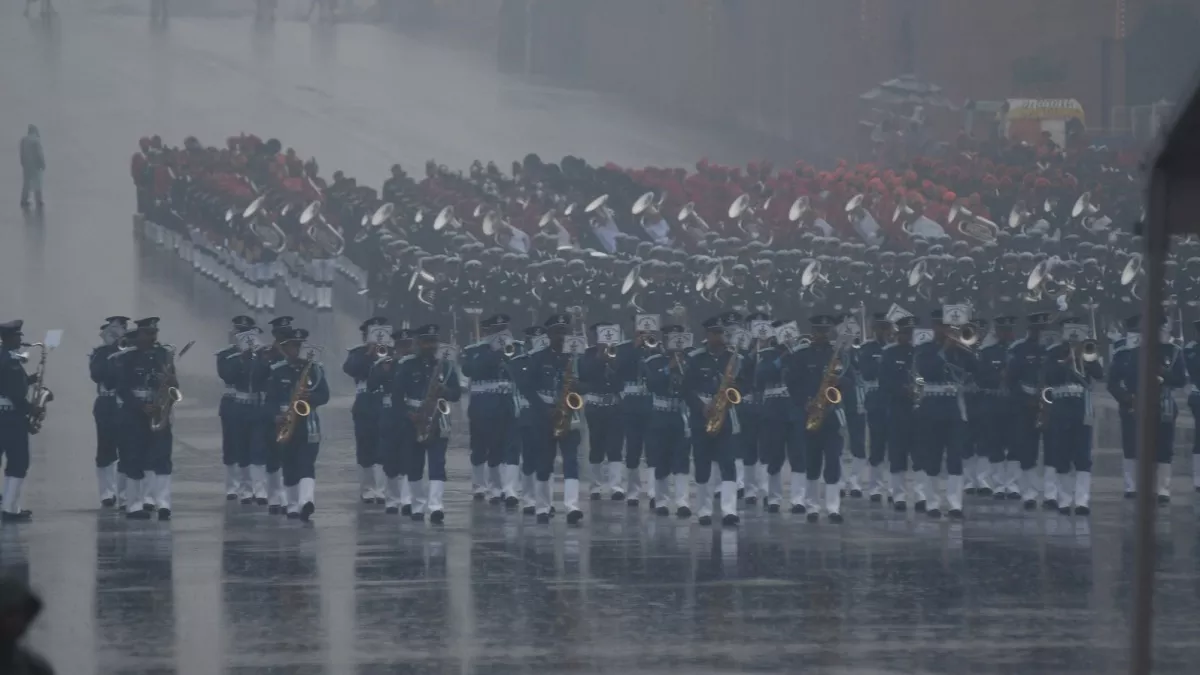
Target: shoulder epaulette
(475, 345)
(279, 363)
(1016, 343)
(656, 355)
(233, 347)
(696, 352)
(117, 353)
(1190, 345)
(234, 355)
(406, 358)
(890, 345)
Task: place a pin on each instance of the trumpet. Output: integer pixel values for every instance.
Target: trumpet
(379, 350)
(964, 336)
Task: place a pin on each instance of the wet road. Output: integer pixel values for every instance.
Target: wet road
(226, 589)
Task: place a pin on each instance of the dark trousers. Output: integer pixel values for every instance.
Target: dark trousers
(995, 423)
(973, 443)
(263, 448)
(432, 451)
(1026, 435)
(822, 449)
(605, 433)
(490, 435)
(104, 412)
(145, 450)
(749, 439)
(1069, 444)
(245, 437)
(901, 427)
(389, 447)
(366, 438)
(877, 426)
(1194, 406)
(709, 449)
(1164, 454)
(774, 446)
(299, 459)
(669, 446)
(940, 437)
(14, 443)
(634, 424)
(856, 430)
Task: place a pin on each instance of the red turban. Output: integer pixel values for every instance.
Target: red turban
(949, 197)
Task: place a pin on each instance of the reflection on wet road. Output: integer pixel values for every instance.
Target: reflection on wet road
(225, 588)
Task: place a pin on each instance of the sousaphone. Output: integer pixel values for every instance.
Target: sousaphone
(799, 208)
(1083, 205)
(1018, 215)
(1132, 269)
(445, 217)
(310, 212)
(596, 204)
(631, 279)
(972, 225)
(270, 235)
(919, 274)
(383, 214)
(647, 201)
(688, 213)
(740, 207)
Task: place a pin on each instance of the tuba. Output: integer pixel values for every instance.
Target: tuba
(325, 236)
(973, 226)
(269, 234)
(727, 395)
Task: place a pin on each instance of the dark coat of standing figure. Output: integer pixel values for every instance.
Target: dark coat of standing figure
(33, 163)
(18, 608)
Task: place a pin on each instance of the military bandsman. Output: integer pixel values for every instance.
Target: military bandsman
(296, 388)
(104, 410)
(14, 421)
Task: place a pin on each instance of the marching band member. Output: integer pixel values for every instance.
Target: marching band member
(804, 372)
(490, 412)
(140, 374)
(870, 356)
(711, 370)
(528, 422)
(670, 427)
(996, 415)
(1191, 359)
(245, 463)
(599, 377)
(1025, 358)
(974, 455)
(264, 426)
(14, 422)
(104, 410)
(390, 452)
(853, 408)
(776, 420)
(425, 382)
(297, 381)
(544, 383)
(896, 384)
(1122, 384)
(635, 415)
(365, 411)
(941, 415)
(1068, 376)
(746, 462)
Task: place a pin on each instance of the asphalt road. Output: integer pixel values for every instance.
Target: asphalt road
(226, 589)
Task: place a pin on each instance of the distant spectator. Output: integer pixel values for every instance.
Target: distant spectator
(33, 163)
(19, 606)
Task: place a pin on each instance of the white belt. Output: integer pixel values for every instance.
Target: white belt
(1067, 390)
(360, 387)
(413, 402)
(994, 392)
(667, 404)
(247, 397)
(775, 392)
(1029, 390)
(6, 404)
(870, 386)
(939, 390)
(600, 399)
(546, 398)
(491, 387)
(386, 401)
(1191, 389)
(143, 394)
(747, 398)
(706, 400)
(634, 389)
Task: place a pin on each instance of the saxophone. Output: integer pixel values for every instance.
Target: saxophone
(727, 395)
(569, 401)
(827, 392)
(433, 404)
(298, 407)
(167, 395)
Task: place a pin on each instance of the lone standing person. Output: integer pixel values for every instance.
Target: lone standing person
(33, 163)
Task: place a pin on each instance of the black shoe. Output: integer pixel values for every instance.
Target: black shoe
(596, 496)
(108, 503)
(148, 508)
(306, 511)
(984, 492)
(772, 508)
(798, 509)
(813, 516)
(406, 510)
(1030, 504)
(1130, 495)
(842, 494)
(956, 514)
(876, 499)
(751, 500)
(231, 498)
(1049, 504)
(511, 502)
(1065, 510)
(934, 513)
(246, 501)
(133, 515)
(573, 517)
(900, 506)
(970, 491)
(663, 511)
(261, 501)
(706, 520)
(1082, 510)
(543, 518)
(479, 496)
(835, 518)
(417, 517)
(553, 511)
(618, 496)
(437, 517)
(495, 501)
(164, 514)
(683, 512)
(999, 496)
(1163, 500)
(1013, 496)
(273, 509)
(379, 501)
(857, 494)
(529, 510)
(919, 507)
(392, 511)
(730, 520)
(653, 503)
(631, 502)
(292, 515)
(741, 493)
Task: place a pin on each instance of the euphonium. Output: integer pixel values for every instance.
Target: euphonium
(727, 395)
(827, 392)
(297, 406)
(569, 402)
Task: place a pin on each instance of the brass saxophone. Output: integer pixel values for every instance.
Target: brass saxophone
(727, 395)
(433, 404)
(298, 407)
(827, 392)
(569, 401)
(167, 395)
